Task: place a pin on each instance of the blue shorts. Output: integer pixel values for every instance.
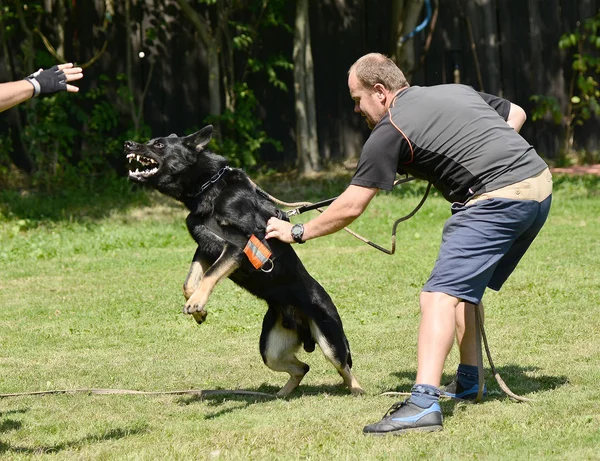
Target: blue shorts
(483, 243)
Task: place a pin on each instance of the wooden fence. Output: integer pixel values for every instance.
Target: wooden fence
(503, 47)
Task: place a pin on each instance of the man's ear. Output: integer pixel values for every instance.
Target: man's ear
(379, 90)
(200, 139)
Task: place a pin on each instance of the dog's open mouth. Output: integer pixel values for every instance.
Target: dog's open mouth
(141, 167)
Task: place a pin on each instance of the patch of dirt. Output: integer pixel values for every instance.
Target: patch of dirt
(578, 170)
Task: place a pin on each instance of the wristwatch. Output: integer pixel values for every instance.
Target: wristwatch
(297, 233)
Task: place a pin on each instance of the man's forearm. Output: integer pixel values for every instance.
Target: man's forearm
(345, 209)
(13, 93)
(331, 220)
(342, 212)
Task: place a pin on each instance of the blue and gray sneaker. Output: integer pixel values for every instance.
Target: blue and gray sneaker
(406, 416)
(455, 390)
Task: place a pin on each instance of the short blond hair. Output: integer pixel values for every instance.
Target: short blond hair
(376, 68)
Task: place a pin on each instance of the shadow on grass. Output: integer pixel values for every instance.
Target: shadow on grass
(521, 380)
(113, 434)
(245, 401)
(10, 424)
(92, 203)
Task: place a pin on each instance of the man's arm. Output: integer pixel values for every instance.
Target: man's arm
(42, 82)
(13, 93)
(516, 117)
(345, 209)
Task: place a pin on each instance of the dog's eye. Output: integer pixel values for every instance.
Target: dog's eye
(158, 145)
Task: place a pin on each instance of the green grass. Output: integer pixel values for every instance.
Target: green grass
(90, 296)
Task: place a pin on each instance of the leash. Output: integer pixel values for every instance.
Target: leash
(314, 206)
(303, 207)
(200, 393)
(480, 333)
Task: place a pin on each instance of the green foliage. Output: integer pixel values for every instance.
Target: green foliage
(546, 105)
(584, 93)
(74, 138)
(241, 134)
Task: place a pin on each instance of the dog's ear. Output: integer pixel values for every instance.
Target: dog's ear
(172, 135)
(200, 139)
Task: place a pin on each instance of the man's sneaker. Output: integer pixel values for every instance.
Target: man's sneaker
(455, 390)
(406, 416)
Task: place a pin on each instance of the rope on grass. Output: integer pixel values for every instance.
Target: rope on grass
(200, 393)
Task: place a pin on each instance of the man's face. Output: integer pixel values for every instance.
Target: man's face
(367, 101)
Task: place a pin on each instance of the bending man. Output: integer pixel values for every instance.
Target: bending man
(467, 145)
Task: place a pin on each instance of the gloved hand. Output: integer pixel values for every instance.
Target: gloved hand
(48, 81)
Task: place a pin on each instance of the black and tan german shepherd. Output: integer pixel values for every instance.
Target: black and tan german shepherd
(226, 210)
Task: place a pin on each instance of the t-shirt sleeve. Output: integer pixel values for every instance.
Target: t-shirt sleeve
(379, 158)
(500, 105)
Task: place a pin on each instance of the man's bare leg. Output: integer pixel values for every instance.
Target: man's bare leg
(466, 332)
(436, 335)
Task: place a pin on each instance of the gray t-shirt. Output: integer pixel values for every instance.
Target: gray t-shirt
(451, 136)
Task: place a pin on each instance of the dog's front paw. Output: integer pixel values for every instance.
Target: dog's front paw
(200, 317)
(197, 311)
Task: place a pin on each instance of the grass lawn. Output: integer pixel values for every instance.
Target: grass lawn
(90, 296)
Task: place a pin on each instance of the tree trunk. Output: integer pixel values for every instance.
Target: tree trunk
(209, 40)
(304, 91)
(405, 17)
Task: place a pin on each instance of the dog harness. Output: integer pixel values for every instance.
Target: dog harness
(256, 249)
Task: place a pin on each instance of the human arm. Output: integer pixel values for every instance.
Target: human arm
(13, 93)
(513, 114)
(345, 209)
(42, 82)
(516, 117)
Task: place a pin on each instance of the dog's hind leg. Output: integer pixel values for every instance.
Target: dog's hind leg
(278, 347)
(338, 353)
(228, 262)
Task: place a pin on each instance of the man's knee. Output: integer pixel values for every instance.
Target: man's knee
(437, 300)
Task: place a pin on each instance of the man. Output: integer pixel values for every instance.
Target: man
(41, 82)
(466, 144)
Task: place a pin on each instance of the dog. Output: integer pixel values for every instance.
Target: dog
(227, 219)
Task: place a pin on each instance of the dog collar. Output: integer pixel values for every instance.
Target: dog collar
(214, 179)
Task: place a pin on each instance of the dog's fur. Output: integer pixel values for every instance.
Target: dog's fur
(222, 218)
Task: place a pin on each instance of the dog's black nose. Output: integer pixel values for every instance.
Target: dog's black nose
(130, 144)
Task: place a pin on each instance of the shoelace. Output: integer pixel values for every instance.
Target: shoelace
(395, 407)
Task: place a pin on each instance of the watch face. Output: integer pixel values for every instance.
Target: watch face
(297, 231)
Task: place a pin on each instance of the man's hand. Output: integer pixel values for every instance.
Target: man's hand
(282, 230)
(55, 79)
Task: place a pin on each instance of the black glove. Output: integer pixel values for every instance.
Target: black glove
(48, 81)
